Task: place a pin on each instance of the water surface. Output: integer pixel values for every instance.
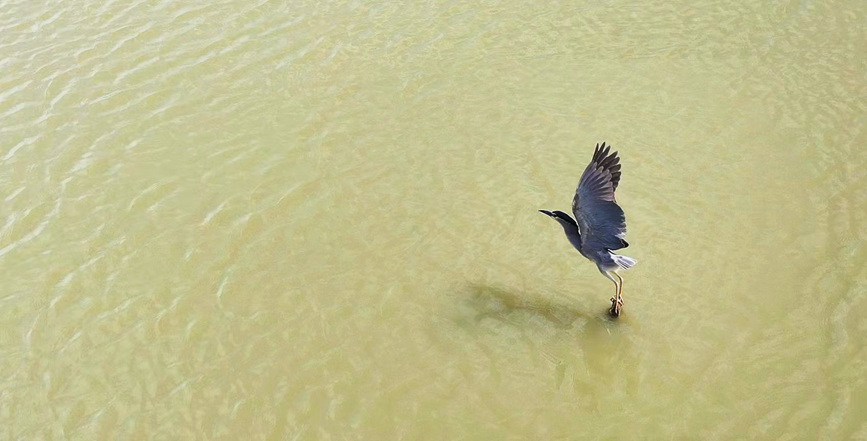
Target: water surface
(307, 220)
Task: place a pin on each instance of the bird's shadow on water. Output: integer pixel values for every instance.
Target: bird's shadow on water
(557, 309)
(598, 345)
(600, 353)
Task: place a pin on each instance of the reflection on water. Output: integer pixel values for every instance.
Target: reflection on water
(524, 309)
(318, 221)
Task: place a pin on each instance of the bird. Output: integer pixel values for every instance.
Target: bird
(599, 227)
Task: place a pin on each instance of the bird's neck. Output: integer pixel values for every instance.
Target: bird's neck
(573, 235)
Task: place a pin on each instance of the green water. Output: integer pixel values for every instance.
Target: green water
(318, 220)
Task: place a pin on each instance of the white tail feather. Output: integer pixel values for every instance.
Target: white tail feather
(623, 261)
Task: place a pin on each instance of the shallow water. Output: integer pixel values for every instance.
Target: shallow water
(236, 220)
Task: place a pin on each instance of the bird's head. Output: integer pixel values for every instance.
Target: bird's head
(561, 217)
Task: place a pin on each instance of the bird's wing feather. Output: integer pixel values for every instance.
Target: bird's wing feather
(600, 220)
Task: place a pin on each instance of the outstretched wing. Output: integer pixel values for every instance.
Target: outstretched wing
(600, 220)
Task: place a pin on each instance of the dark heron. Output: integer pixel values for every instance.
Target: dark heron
(601, 225)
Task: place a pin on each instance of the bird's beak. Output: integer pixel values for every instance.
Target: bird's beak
(547, 212)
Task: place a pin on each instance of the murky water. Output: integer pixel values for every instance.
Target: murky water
(277, 220)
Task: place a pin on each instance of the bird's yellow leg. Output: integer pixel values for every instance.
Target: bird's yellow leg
(616, 285)
(619, 289)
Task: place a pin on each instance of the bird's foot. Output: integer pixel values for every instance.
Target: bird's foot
(616, 306)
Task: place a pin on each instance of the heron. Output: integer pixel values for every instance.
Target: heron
(599, 227)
